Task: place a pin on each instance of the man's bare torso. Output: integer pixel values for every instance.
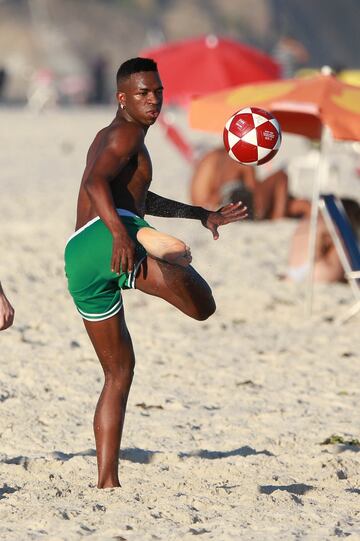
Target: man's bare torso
(128, 188)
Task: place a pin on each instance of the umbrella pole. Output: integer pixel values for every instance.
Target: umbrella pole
(166, 121)
(318, 182)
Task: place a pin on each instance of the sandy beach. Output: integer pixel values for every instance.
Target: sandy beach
(226, 418)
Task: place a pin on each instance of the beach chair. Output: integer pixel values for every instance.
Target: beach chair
(346, 245)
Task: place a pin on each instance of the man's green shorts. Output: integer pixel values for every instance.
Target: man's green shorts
(94, 288)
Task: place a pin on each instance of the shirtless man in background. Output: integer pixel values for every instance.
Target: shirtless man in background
(218, 179)
(106, 253)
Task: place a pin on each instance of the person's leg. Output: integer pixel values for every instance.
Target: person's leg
(299, 246)
(270, 197)
(280, 195)
(329, 267)
(112, 343)
(163, 246)
(298, 208)
(180, 286)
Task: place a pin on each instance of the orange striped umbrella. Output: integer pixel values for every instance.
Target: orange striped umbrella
(302, 106)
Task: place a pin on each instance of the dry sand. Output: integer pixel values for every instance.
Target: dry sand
(225, 418)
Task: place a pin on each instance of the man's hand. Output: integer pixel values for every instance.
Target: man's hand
(233, 212)
(123, 253)
(6, 312)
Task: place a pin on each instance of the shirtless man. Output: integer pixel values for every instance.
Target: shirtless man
(104, 254)
(217, 178)
(6, 311)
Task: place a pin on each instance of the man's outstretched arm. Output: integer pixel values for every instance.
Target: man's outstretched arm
(157, 205)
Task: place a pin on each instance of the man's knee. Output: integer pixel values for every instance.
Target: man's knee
(122, 372)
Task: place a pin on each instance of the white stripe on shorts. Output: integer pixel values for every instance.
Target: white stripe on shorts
(98, 317)
(130, 282)
(121, 212)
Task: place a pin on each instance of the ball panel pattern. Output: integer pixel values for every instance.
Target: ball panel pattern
(252, 136)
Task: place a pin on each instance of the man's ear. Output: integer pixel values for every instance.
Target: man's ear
(120, 96)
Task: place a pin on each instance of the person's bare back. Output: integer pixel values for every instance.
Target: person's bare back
(217, 179)
(213, 171)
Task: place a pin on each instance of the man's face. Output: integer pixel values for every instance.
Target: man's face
(142, 96)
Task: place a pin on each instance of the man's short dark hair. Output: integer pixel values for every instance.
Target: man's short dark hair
(134, 65)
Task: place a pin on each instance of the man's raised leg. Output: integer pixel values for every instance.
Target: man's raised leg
(163, 246)
(182, 287)
(112, 343)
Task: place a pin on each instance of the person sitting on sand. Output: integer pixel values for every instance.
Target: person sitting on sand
(218, 179)
(114, 248)
(327, 266)
(6, 311)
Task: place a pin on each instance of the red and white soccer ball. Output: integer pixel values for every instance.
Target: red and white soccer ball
(252, 136)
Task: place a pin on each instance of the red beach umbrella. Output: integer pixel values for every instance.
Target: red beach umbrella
(199, 66)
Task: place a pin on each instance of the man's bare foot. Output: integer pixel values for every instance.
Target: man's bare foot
(162, 246)
(109, 484)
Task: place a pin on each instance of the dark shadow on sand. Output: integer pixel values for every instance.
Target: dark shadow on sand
(132, 454)
(64, 457)
(297, 488)
(212, 455)
(139, 456)
(353, 490)
(17, 461)
(7, 490)
(342, 447)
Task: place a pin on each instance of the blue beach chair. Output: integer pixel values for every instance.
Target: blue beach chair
(346, 245)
